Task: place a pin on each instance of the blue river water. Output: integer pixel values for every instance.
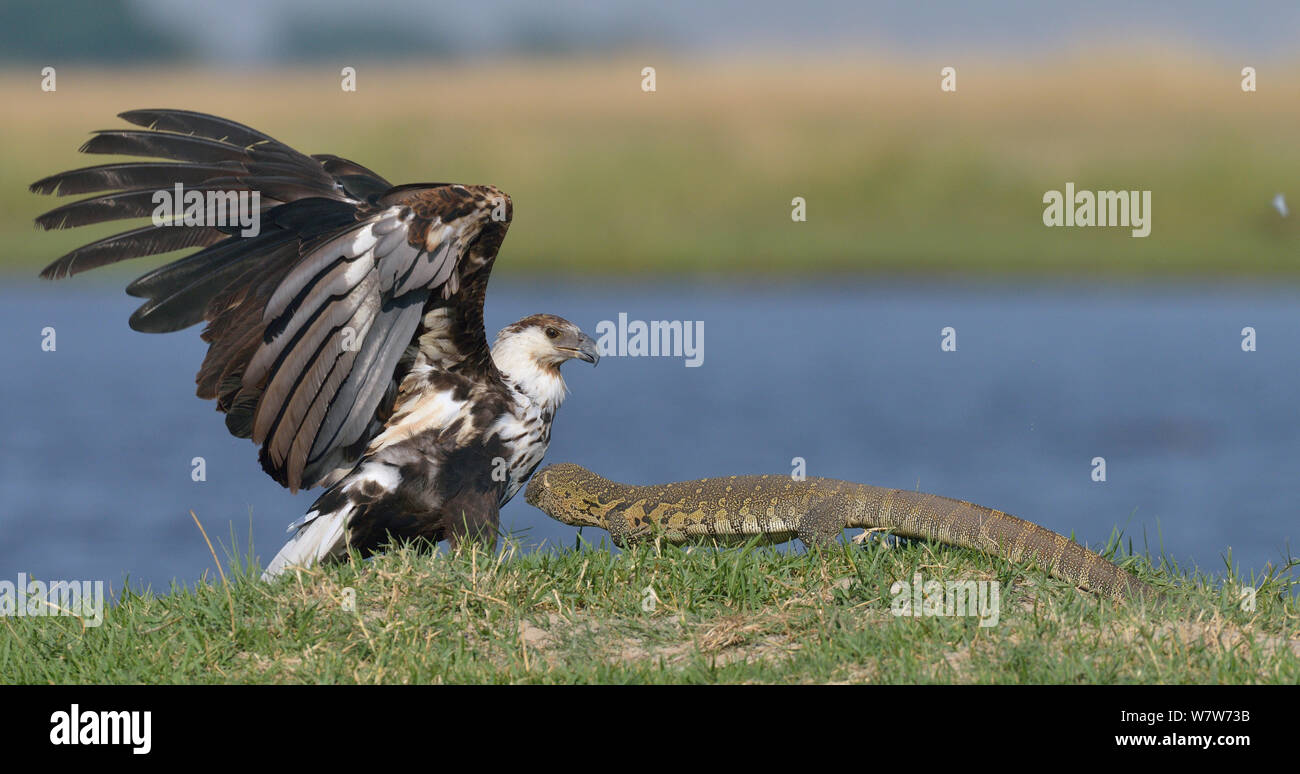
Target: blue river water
(1200, 438)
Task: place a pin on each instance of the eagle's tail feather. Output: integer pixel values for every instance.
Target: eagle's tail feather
(319, 536)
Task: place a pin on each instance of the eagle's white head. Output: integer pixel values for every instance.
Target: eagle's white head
(531, 351)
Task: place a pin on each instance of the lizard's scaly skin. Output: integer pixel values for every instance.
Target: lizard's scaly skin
(737, 508)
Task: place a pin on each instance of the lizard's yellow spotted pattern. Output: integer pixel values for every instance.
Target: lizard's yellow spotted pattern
(738, 508)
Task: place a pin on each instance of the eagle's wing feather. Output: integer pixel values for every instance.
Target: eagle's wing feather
(313, 321)
(207, 153)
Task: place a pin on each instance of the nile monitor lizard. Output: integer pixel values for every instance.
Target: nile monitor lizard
(737, 508)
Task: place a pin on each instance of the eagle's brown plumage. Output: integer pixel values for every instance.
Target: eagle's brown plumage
(353, 299)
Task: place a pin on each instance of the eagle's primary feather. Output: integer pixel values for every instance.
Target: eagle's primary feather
(345, 333)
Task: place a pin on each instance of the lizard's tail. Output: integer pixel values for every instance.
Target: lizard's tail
(960, 523)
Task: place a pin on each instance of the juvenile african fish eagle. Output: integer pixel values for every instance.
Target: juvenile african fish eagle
(345, 334)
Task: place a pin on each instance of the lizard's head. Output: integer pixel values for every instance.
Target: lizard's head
(564, 492)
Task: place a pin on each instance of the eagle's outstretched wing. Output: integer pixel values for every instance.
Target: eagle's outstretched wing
(313, 320)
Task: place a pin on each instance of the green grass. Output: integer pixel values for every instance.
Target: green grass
(740, 615)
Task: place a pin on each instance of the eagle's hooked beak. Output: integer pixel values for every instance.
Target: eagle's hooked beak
(586, 349)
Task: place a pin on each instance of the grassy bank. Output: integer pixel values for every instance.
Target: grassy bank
(698, 177)
(746, 615)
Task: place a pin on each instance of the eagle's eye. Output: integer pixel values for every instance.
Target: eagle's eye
(551, 333)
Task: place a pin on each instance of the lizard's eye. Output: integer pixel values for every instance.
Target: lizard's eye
(551, 333)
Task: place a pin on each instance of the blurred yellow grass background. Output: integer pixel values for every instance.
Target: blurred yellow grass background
(698, 177)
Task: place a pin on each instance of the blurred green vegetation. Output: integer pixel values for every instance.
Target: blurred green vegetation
(84, 30)
(698, 177)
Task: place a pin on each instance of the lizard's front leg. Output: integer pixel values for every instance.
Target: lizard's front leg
(621, 531)
(820, 525)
